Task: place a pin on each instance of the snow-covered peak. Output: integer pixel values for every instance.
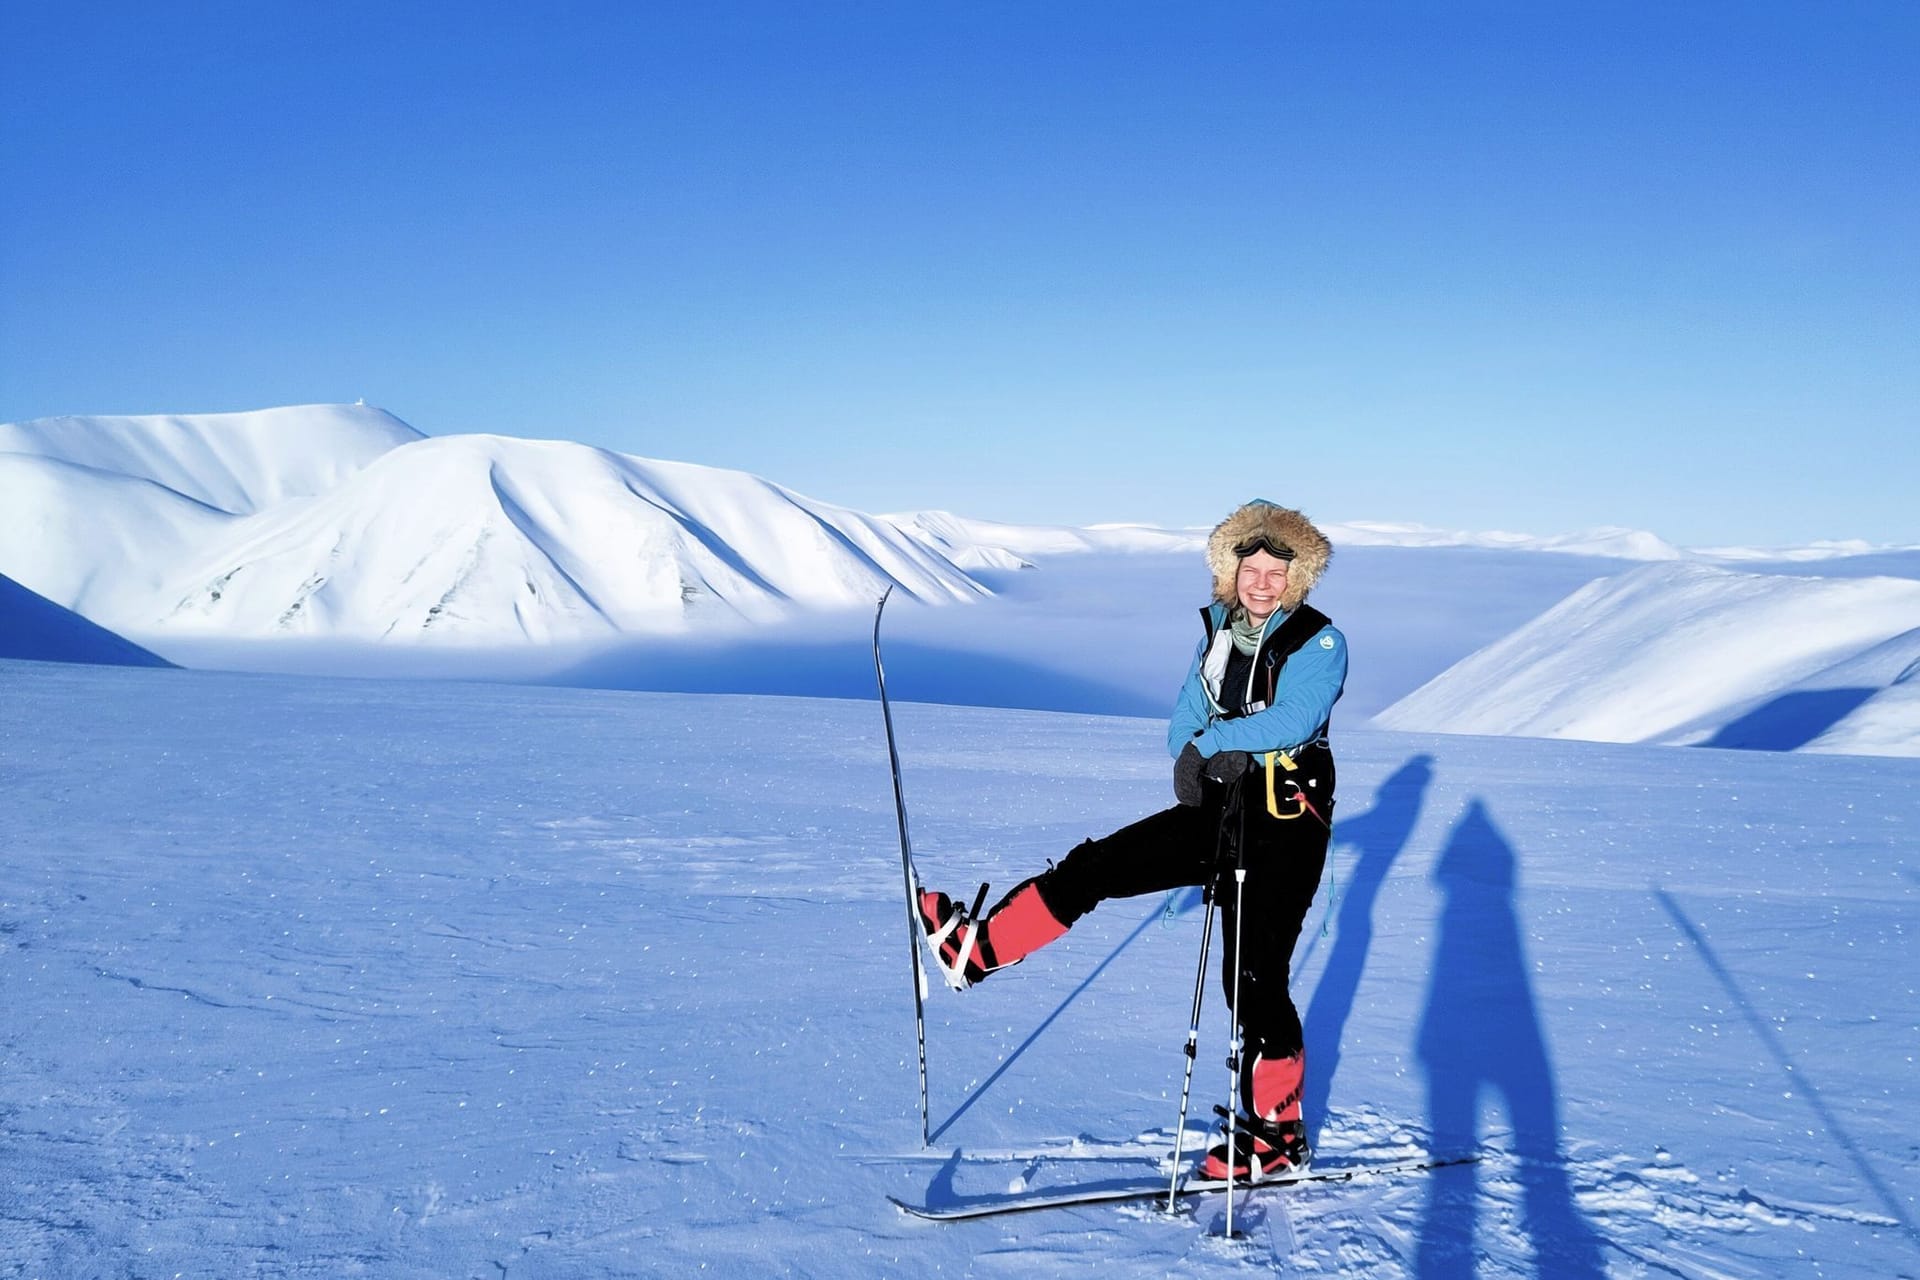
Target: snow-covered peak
(480, 539)
(97, 541)
(233, 462)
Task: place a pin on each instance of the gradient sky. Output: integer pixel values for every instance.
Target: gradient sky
(1526, 266)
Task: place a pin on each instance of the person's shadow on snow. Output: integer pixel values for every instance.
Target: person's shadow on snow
(1480, 1035)
(1379, 835)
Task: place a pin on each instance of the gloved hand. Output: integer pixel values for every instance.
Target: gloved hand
(1186, 774)
(1227, 766)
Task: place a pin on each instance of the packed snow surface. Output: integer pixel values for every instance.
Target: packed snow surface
(1679, 653)
(376, 978)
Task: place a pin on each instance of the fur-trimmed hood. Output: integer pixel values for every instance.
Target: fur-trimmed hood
(1284, 525)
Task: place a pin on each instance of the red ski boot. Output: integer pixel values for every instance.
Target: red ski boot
(1273, 1140)
(967, 950)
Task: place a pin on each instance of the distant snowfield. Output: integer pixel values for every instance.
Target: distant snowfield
(381, 978)
(989, 542)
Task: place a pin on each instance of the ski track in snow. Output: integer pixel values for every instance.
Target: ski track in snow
(362, 978)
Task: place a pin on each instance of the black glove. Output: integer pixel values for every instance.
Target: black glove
(1186, 774)
(1227, 766)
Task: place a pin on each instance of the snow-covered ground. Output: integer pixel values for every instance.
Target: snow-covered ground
(394, 979)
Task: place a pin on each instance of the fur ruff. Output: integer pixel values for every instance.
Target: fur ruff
(1311, 550)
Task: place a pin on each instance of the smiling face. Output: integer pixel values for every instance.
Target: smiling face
(1260, 583)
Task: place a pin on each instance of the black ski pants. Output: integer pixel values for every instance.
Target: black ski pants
(1188, 845)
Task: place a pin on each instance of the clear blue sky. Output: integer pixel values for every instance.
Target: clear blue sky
(1535, 266)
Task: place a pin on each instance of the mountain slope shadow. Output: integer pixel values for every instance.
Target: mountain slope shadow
(1379, 834)
(979, 1091)
(771, 663)
(1480, 1035)
(1789, 721)
(35, 628)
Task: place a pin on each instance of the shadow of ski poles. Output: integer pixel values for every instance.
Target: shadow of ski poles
(1034, 1036)
(1796, 1077)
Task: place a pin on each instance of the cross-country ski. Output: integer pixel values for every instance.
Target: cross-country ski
(1157, 1189)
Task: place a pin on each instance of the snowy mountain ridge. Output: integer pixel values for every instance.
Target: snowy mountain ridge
(335, 524)
(1688, 654)
(238, 463)
(342, 522)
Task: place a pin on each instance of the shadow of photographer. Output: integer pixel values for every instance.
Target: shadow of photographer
(1378, 835)
(1480, 1038)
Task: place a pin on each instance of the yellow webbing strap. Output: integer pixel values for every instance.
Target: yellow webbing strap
(1273, 804)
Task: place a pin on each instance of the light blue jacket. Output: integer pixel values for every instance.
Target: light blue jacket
(1309, 684)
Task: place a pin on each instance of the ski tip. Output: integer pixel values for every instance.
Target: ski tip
(913, 1210)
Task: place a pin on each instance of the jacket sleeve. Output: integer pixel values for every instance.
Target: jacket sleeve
(1309, 685)
(1191, 710)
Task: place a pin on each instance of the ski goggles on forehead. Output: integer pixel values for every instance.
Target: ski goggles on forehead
(1261, 542)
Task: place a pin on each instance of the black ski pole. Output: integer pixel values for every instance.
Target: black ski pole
(906, 869)
(1233, 1000)
(1193, 1029)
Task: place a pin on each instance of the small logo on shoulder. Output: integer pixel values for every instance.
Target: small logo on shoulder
(1326, 642)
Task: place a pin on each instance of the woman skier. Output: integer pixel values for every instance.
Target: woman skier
(1253, 776)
